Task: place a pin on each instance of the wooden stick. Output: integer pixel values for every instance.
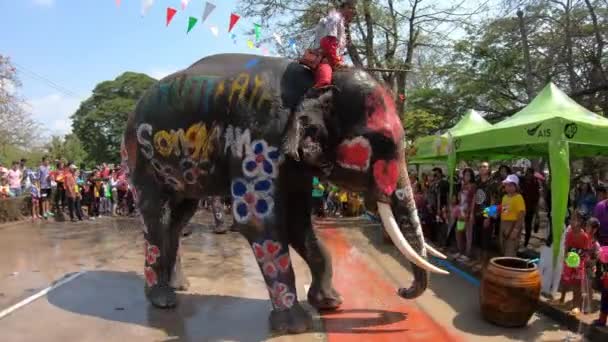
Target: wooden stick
(387, 70)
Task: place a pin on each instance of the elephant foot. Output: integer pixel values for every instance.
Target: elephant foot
(294, 320)
(163, 297)
(321, 299)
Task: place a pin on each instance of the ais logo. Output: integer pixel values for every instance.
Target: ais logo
(540, 133)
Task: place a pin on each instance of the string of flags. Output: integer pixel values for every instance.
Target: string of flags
(252, 43)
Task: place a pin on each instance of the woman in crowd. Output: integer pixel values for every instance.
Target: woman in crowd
(464, 226)
(585, 197)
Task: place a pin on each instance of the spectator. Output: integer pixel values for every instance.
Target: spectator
(44, 177)
(600, 193)
(531, 192)
(513, 210)
(585, 199)
(601, 214)
(35, 193)
(483, 198)
(317, 197)
(603, 282)
(71, 190)
(577, 241)
(58, 176)
(15, 177)
(437, 204)
(5, 190)
(464, 228)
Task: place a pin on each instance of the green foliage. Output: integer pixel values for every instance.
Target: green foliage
(68, 148)
(13, 153)
(419, 123)
(101, 119)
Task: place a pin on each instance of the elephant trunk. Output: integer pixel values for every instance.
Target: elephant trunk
(407, 236)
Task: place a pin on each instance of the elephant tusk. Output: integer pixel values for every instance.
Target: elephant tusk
(390, 225)
(434, 252)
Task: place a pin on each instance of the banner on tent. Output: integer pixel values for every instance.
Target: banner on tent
(431, 146)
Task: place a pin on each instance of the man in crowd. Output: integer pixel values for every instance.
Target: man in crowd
(601, 213)
(484, 197)
(15, 177)
(530, 190)
(437, 204)
(71, 193)
(44, 176)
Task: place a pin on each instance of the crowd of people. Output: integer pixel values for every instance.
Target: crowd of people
(494, 213)
(64, 187)
(329, 200)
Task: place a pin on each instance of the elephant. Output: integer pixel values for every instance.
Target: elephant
(240, 125)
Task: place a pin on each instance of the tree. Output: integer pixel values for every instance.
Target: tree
(100, 120)
(67, 147)
(16, 125)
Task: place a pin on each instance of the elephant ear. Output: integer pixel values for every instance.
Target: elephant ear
(307, 131)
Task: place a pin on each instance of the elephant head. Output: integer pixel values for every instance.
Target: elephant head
(355, 129)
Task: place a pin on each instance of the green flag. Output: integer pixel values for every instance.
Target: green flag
(191, 22)
(258, 31)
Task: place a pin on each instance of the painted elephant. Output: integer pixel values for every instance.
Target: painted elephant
(238, 124)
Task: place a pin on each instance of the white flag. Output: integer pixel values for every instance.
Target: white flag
(145, 6)
(214, 30)
(278, 38)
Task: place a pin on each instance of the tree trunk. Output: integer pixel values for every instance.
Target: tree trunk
(526, 50)
(369, 34)
(569, 53)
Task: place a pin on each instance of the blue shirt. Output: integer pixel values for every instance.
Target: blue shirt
(43, 176)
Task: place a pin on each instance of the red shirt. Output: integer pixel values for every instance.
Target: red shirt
(580, 240)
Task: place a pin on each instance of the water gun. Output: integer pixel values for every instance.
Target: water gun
(492, 211)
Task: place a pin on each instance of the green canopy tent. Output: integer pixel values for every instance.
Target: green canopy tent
(434, 149)
(552, 124)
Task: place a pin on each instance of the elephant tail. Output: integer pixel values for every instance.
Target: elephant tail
(128, 146)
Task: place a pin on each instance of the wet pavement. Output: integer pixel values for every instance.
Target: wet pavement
(227, 299)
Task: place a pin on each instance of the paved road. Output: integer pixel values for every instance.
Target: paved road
(227, 300)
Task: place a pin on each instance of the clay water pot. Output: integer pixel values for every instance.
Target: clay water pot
(510, 291)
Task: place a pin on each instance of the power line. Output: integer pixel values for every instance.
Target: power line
(45, 80)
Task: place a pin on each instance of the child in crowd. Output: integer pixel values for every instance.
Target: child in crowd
(577, 241)
(5, 190)
(35, 192)
(603, 283)
(513, 211)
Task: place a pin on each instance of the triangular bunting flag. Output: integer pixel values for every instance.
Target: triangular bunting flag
(258, 30)
(250, 44)
(278, 38)
(185, 4)
(117, 3)
(145, 6)
(214, 30)
(233, 19)
(209, 7)
(170, 13)
(191, 23)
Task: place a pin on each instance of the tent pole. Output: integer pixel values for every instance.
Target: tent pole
(559, 161)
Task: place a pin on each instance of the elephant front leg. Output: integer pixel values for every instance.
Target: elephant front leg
(273, 258)
(322, 295)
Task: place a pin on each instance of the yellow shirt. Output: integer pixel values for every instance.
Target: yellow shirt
(511, 207)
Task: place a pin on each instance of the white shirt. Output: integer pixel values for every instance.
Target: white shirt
(332, 25)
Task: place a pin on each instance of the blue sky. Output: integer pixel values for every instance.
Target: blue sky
(79, 43)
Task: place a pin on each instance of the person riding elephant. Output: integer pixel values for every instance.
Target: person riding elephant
(217, 128)
(331, 42)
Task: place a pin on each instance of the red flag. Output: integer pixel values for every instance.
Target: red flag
(170, 13)
(233, 19)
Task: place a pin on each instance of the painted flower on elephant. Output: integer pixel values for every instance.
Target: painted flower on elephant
(150, 276)
(268, 256)
(163, 142)
(355, 154)
(151, 253)
(281, 297)
(251, 198)
(261, 160)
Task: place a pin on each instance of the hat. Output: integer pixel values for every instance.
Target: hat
(73, 167)
(511, 179)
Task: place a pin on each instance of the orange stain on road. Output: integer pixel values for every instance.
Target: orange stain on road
(372, 310)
